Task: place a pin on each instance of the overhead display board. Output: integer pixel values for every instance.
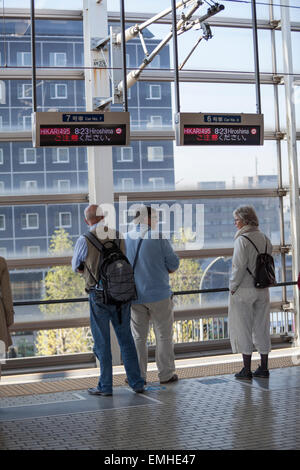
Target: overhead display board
(219, 129)
(80, 129)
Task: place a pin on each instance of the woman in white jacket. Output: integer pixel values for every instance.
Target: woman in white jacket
(249, 307)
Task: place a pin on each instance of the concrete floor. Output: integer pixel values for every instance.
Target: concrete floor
(211, 412)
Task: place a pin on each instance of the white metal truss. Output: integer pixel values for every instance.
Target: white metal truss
(186, 22)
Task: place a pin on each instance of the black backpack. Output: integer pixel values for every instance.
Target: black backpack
(115, 280)
(265, 269)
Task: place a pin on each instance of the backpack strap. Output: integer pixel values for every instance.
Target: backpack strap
(137, 253)
(251, 242)
(256, 250)
(138, 249)
(96, 242)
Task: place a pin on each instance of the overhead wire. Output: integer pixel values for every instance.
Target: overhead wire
(263, 3)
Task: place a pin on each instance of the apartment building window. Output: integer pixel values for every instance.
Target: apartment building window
(29, 185)
(157, 182)
(2, 187)
(126, 154)
(127, 184)
(58, 91)
(24, 59)
(58, 59)
(24, 90)
(154, 92)
(2, 92)
(1, 157)
(60, 155)
(155, 154)
(29, 221)
(2, 222)
(155, 121)
(1, 122)
(64, 220)
(27, 122)
(28, 156)
(31, 250)
(63, 185)
(3, 252)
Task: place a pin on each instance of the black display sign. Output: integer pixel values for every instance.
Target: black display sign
(221, 134)
(82, 134)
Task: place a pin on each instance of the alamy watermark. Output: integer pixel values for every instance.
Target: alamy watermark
(183, 222)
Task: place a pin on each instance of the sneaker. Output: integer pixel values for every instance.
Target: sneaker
(244, 374)
(174, 378)
(263, 373)
(96, 391)
(139, 390)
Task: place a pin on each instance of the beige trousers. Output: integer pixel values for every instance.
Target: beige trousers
(161, 315)
(249, 320)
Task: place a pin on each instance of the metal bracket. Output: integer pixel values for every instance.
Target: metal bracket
(276, 24)
(278, 79)
(288, 306)
(285, 249)
(282, 192)
(280, 135)
(101, 103)
(99, 43)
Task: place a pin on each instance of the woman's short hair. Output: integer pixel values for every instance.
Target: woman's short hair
(247, 215)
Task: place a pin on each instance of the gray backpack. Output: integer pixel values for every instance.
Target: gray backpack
(115, 274)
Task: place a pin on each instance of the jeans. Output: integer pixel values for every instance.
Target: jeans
(101, 315)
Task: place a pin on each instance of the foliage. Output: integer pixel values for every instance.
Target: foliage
(63, 341)
(62, 283)
(188, 275)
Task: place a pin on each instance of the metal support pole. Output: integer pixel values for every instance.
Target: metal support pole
(292, 154)
(100, 167)
(123, 46)
(256, 58)
(279, 156)
(175, 58)
(33, 61)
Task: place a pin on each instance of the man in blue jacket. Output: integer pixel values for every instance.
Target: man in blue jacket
(156, 260)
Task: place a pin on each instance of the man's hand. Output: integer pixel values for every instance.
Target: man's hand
(80, 268)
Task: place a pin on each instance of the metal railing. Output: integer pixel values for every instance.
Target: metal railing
(85, 299)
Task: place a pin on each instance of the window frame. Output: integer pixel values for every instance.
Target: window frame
(27, 216)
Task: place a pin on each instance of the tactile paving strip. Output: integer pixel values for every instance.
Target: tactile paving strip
(70, 384)
(33, 400)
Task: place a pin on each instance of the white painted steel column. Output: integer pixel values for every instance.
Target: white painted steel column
(100, 169)
(292, 154)
(97, 86)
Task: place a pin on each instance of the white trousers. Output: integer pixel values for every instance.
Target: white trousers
(161, 315)
(249, 320)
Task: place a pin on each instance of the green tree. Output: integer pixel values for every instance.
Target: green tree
(62, 283)
(188, 275)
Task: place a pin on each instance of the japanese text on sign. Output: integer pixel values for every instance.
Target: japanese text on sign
(84, 135)
(221, 135)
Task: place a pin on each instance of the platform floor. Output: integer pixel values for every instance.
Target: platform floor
(206, 412)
